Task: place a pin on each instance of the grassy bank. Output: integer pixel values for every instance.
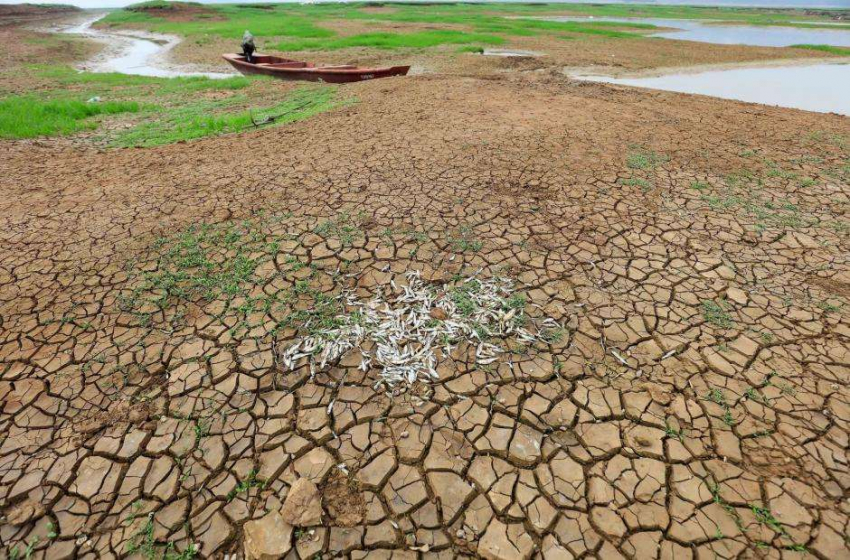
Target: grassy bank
(302, 27)
(843, 51)
(152, 111)
(30, 117)
(311, 26)
(417, 40)
(751, 16)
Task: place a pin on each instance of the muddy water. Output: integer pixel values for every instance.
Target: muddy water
(818, 87)
(726, 34)
(136, 52)
(814, 87)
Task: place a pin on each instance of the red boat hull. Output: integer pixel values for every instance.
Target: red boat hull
(286, 69)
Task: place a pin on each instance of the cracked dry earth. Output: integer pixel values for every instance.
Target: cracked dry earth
(694, 406)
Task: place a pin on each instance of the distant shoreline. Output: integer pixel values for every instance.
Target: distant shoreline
(760, 4)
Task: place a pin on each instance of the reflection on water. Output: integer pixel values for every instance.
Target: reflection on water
(725, 34)
(137, 52)
(819, 87)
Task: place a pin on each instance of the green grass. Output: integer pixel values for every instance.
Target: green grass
(300, 26)
(305, 26)
(418, 40)
(159, 5)
(204, 118)
(478, 19)
(167, 109)
(752, 16)
(843, 51)
(30, 117)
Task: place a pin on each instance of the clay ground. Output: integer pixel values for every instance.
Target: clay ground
(695, 252)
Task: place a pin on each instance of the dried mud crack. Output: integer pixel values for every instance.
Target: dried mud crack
(693, 403)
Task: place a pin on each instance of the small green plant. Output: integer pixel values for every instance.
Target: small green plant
(755, 395)
(645, 159)
(143, 543)
(700, 186)
(202, 430)
(828, 307)
(461, 298)
(716, 396)
(672, 432)
(765, 517)
(787, 389)
(716, 313)
(465, 241)
(637, 182)
(552, 336)
(344, 228)
(16, 554)
(516, 301)
(714, 488)
(245, 485)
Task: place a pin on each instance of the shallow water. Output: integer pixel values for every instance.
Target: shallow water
(707, 32)
(818, 87)
(137, 53)
(510, 53)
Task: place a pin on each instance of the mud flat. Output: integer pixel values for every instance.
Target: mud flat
(652, 293)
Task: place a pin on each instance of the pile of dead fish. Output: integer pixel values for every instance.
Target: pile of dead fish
(401, 334)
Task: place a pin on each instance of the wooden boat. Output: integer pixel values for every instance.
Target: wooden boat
(287, 69)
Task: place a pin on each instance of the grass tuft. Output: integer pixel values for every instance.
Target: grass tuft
(645, 159)
(843, 51)
(716, 313)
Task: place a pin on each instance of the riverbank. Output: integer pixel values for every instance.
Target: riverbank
(637, 304)
(136, 52)
(391, 34)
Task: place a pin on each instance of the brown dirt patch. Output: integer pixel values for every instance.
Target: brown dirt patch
(179, 11)
(33, 47)
(121, 412)
(17, 13)
(343, 499)
(832, 286)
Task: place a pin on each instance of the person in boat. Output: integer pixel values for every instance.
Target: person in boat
(248, 46)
